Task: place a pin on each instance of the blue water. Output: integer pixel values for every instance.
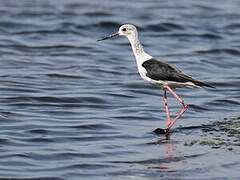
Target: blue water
(75, 108)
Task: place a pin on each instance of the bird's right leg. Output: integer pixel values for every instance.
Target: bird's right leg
(165, 131)
(166, 104)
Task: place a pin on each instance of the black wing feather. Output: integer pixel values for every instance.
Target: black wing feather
(158, 70)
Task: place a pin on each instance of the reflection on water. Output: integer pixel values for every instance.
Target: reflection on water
(171, 150)
(173, 162)
(71, 108)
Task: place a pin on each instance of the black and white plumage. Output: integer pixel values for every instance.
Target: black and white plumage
(156, 72)
(164, 72)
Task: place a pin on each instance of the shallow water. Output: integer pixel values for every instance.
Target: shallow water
(75, 108)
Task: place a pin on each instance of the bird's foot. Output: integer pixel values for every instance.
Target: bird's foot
(161, 131)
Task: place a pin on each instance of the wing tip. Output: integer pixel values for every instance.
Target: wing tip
(203, 84)
(207, 85)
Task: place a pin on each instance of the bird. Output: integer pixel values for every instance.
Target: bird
(158, 73)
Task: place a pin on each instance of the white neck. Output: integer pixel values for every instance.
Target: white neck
(137, 48)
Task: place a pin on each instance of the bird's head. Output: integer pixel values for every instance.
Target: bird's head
(127, 30)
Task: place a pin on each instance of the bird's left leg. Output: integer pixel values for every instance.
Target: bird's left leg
(181, 101)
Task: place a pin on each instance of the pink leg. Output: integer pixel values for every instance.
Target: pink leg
(166, 104)
(181, 101)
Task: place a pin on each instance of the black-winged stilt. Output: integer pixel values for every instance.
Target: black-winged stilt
(159, 73)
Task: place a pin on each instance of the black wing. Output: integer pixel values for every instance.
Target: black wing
(158, 70)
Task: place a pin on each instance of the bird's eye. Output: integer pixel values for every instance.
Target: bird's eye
(124, 29)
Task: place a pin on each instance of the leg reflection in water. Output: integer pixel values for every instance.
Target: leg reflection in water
(171, 161)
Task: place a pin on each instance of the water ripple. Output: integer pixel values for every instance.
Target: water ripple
(74, 108)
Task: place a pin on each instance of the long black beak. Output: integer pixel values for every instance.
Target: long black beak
(113, 35)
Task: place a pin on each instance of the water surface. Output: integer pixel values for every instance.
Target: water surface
(75, 108)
